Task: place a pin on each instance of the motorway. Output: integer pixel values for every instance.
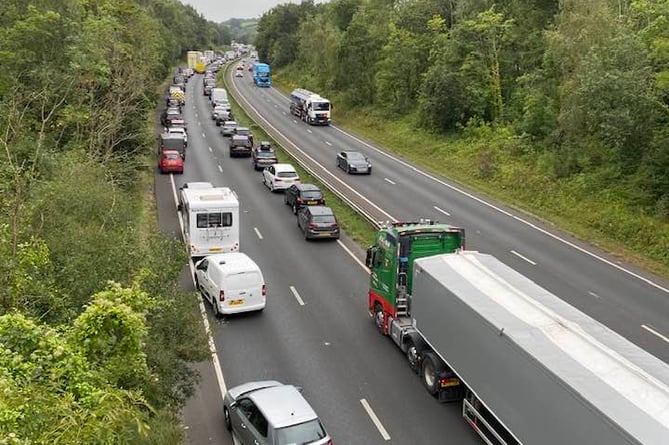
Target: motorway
(315, 331)
(630, 301)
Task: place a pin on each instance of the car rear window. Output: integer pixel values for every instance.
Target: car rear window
(324, 219)
(216, 219)
(172, 156)
(244, 280)
(302, 433)
(287, 175)
(312, 194)
(265, 154)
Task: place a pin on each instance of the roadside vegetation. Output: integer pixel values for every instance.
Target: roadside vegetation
(558, 108)
(95, 334)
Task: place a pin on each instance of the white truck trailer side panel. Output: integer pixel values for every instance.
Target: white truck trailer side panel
(551, 374)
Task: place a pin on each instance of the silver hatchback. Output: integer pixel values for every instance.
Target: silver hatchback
(271, 413)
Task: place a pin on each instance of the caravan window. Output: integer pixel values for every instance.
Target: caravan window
(216, 219)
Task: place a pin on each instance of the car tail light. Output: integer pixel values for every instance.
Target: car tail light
(298, 200)
(278, 180)
(334, 226)
(221, 296)
(264, 290)
(312, 225)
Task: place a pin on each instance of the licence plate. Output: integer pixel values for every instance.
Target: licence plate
(215, 249)
(311, 203)
(324, 233)
(236, 302)
(450, 382)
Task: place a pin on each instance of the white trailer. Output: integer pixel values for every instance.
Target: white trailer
(536, 370)
(310, 107)
(210, 219)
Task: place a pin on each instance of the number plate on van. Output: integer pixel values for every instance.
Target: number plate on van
(236, 302)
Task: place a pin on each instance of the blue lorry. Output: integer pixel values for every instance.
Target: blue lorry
(262, 75)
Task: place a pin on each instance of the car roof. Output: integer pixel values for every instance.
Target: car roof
(352, 152)
(307, 187)
(230, 123)
(284, 168)
(198, 185)
(233, 261)
(240, 136)
(320, 210)
(283, 405)
(242, 128)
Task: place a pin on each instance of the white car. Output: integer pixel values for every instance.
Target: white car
(239, 73)
(177, 131)
(220, 113)
(280, 176)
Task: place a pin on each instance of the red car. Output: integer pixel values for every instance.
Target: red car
(171, 161)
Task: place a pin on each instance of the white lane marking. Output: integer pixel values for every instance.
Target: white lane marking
(220, 169)
(258, 232)
(195, 114)
(352, 255)
(199, 123)
(297, 296)
(276, 106)
(654, 332)
(204, 135)
(510, 215)
(283, 112)
(210, 150)
(294, 121)
(309, 131)
(328, 143)
(523, 258)
(389, 181)
(210, 339)
(375, 420)
(594, 295)
(442, 211)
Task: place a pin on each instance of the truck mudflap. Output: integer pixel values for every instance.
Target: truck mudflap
(451, 389)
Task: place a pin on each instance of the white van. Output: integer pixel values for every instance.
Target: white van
(218, 95)
(232, 282)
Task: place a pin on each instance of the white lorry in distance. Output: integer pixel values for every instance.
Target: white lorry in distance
(310, 107)
(210, 219)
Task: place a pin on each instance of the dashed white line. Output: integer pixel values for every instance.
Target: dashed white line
(204, 135)
(389, 181)
(294, 121)
(258, 232)
(276, 106)
(375, 419)
(523, 258)
(442, 211)
(654, 332)
(328, 143)
(220, 169)
(199, 123)
(283, 112)
(309, 131)
(297, 296)
(594, 295)
(210, 150)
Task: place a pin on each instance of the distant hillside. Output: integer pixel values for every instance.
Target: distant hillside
(241, 30)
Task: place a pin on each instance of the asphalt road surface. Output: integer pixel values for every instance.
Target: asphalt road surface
(315, 331)
(630, 301)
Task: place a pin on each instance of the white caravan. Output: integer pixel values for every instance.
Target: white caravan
(211, 219)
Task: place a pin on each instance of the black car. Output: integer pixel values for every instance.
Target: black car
(263, 155)
(240, 145)
(354, 162)
(169, 115)
(243, 131)
(317, 222)
(300, 195)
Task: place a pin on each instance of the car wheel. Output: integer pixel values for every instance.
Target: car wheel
(217, 313)
(348, 169)
(294, 209)
(271, 186)
(226, 415)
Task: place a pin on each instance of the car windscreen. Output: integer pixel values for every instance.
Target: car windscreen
(324, 219)
(357, 157)
(302, 433)
(312, 194)
(287, 175)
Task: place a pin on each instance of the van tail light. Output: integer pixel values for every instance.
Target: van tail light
(298, 200)
(264, 290)
(312, 225)
(221, 296)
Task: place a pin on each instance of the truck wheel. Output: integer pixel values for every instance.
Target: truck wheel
(430, 368)
(413, 357)
(379, 318)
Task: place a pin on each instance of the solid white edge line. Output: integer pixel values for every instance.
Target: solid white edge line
(309, 131)
(220, 169)
(594, 295)
(258, 232)
(389, 181)
(523, 258)
(210, 150)
(296, 295)
(204, 135)
(328, 143)
(375, 420)
(654, 332)
(504, 212)
(442, 211)
(352, 255)
(210, 339)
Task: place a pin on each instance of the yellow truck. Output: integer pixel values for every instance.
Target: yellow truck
(192, 58)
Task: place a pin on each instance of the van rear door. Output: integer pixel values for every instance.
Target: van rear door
(244, 289)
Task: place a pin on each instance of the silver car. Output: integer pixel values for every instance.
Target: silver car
(271, 413)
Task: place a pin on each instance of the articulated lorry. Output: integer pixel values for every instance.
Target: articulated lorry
(262, 75)
(527, 367)
(310, 107)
